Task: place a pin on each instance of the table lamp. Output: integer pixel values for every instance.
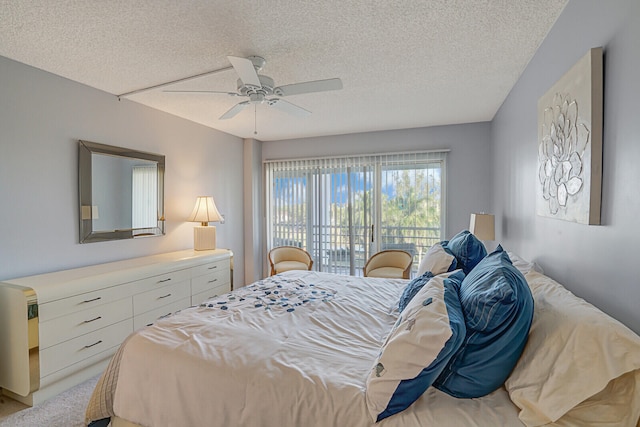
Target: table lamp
(204, 212)
(482, 226)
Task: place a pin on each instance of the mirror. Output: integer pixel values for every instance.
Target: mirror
(121, 193)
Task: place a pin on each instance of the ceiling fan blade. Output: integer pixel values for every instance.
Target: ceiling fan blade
(234, 110)
(206, 92)
(308, 87)
(246, 70)
(288, 107)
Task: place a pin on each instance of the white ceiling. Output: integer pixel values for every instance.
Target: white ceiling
(403, 64)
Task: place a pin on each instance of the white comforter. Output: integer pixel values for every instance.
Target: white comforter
(293, 350)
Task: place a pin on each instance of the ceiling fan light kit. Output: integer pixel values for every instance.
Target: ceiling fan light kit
(258, 88)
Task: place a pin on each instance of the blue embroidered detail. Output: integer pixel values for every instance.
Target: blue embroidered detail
(275, 294)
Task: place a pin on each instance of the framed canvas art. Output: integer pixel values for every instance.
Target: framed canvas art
(569, 182)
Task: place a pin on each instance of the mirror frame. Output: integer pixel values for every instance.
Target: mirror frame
(85, 182)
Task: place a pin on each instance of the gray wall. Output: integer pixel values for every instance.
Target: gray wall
(598, 263)
(42, 116)
(468, 175)
(117, 183)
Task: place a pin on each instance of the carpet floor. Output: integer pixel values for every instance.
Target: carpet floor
(64, 410)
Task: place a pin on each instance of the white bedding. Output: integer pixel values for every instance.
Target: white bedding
(301, 361)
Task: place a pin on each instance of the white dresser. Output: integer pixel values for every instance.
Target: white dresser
(59, 329)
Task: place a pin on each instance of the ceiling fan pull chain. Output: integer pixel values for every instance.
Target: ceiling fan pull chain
(255, 119)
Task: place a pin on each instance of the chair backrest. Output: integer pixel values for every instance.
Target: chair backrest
(390, 258)
(289, 253)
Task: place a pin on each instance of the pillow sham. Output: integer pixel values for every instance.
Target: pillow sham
(498, 310)
(574, 352)
(428, 332)
(467, 249)
(438, 259)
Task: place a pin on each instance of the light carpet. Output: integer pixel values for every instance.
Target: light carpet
(64, 410)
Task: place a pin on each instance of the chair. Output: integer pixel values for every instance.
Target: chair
(390, 263)
(285, 258)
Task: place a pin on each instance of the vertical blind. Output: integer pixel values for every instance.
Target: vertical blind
(343, 209)
(144, 194)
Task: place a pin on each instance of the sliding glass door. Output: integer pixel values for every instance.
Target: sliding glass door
(342, 210)
(342, 215)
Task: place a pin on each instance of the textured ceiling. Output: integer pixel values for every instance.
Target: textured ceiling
(403, 64)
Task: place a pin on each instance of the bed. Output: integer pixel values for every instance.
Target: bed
(305, 348)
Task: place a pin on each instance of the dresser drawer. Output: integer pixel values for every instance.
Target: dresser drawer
(162, 280)
(82, 322)
(211, 267)
(207, 294)
(149, 318)
(208, 281)
(77, 349)
(160, 297)
(80, 302)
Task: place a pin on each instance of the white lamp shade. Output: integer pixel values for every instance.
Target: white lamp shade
(483, 226)
(205, 211)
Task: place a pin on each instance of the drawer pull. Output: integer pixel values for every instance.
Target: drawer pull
(93, 320)
(164, 280)
(212, 281)
(92, 300)
(164, 296)
(214, 267)
(91, 345)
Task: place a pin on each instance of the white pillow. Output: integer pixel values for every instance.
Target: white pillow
(427, 334)
(522, 265)
(616, 405)
(437, 261)
(574, 350)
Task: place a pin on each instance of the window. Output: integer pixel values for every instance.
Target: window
(342, 210)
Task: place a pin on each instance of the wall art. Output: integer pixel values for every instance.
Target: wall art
(569, 181)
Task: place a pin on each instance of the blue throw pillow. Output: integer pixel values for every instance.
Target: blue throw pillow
(412, 289)
(498, 310)
(428, 332)
(467, 249)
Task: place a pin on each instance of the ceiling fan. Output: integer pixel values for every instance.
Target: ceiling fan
(260, 89)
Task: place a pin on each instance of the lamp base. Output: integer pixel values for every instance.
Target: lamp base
(204, 238)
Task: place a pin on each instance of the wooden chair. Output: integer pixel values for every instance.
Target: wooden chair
(390, 263)
(285, 258)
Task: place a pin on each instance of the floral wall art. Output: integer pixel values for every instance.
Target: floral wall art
(569, 181)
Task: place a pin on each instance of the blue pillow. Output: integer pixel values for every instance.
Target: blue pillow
(498, 310)
(418, 348)
(412, 289)
(467, 249)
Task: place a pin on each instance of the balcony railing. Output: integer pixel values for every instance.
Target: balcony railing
(334, 250)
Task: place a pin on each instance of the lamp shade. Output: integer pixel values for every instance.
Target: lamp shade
(205, 211)
(482, 226)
